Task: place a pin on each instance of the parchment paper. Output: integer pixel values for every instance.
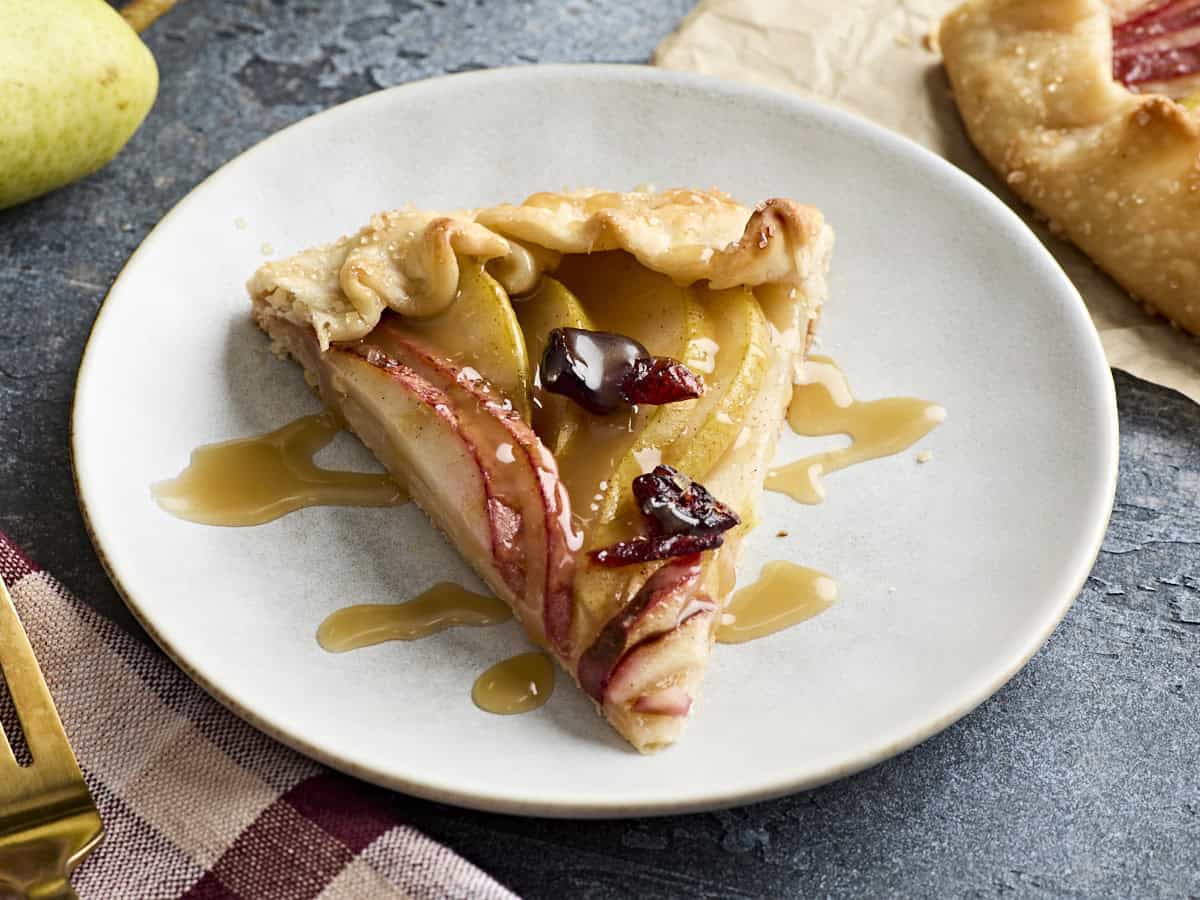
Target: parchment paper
(872, 58)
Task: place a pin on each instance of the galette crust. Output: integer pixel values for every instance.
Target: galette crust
(1116, 172)
(406, 260)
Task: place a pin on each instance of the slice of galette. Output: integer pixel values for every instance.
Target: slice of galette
(1088, 109)
(583, 392)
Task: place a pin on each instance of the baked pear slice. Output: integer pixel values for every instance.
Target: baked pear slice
(623, 297)
(409, 332)
(470, 462)
(482, 327)
(550, 306)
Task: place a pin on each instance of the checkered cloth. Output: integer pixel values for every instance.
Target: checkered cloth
(195, 802)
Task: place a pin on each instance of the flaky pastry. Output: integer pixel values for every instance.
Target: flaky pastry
(1117, 172)
(406, 260)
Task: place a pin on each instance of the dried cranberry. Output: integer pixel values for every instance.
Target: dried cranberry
(604, 372)
(678, 505)
(590, 367)
(660, 380)
(646, 548)
(683, 516)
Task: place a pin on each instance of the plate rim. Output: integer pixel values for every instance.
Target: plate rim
(442, 791)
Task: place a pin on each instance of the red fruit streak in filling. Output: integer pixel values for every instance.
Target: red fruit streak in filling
(1162, 44)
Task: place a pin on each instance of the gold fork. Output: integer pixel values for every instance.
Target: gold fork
(48, 821)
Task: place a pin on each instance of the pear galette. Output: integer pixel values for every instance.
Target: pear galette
(583, 392)
(1088, 110)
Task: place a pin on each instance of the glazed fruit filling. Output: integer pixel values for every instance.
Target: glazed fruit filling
(604, 372)
(1159, 48)
(681, 517)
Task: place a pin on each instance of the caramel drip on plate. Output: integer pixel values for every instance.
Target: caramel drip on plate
(823, 404)
(784, 595)
(443, 606)
(516, 685)
(519, 684)
(250, 481)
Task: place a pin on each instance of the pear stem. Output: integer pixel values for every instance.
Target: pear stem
(141, 14)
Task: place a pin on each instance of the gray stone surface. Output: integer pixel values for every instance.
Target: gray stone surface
(1080, 778)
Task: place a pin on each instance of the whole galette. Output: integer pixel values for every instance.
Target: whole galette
(1088, 109)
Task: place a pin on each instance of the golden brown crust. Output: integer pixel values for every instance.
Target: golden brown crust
(1116, 172)
(406, 260)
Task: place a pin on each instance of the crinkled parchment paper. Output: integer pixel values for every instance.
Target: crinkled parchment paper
(871, 57)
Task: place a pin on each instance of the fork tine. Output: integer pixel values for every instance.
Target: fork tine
(39, 719)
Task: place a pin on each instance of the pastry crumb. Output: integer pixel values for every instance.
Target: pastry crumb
(267, 249)
(279, 350)
(781, 533)
(903, 40)
(924, 456)
(240, 223)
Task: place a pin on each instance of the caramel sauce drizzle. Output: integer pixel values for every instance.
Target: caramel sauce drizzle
(823, 404)
(253, 480)
(519, 684)
(250, 481)
(784, 595)
(443, 606)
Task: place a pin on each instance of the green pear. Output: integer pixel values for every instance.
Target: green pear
(75, 83)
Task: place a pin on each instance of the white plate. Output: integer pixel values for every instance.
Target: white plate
(952, 574)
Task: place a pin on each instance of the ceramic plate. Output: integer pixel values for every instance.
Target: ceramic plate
(952, 573)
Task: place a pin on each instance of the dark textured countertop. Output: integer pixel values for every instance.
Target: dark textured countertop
(1080, 778)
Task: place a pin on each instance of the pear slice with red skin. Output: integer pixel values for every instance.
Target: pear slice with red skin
(661, 675)
(1159, 46)
(666, 600)
(668, 701)
(382, 403)
(504, 488)
(549, 534)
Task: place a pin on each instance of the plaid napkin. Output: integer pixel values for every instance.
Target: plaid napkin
(195, 802)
